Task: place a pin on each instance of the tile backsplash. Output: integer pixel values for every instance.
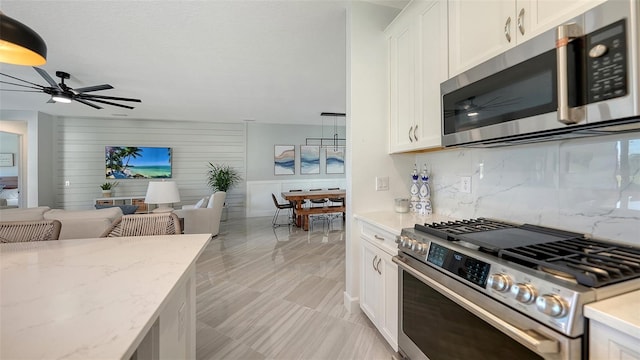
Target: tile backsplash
(590, 185)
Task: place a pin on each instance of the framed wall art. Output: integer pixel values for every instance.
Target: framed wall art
(6, 159)
(284, 159)
(335, 160)
(309, 159)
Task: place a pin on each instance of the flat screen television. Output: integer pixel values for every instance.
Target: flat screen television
(130, 162)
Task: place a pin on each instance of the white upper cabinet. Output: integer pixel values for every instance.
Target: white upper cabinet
(417, 40)
(480, 30)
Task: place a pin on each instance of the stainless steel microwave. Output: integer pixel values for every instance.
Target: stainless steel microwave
(579, 79)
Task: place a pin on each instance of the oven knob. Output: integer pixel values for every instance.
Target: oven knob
(525, 293)
(499, 282)
(552, 305)
(418, 247)
(405, 242)
(399, 239)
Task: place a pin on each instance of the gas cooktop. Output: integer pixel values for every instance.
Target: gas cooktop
(589, 262)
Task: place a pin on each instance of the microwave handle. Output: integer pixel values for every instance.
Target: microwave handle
(564, 34)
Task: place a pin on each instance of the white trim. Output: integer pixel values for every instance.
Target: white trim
(352, 304)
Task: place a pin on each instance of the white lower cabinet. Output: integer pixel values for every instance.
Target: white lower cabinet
(379, 283)
(610, 344)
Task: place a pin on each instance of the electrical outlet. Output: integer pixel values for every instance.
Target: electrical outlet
(67, 183)
(382, 183)
(465, 184)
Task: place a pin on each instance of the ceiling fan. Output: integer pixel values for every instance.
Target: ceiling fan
(63, 93)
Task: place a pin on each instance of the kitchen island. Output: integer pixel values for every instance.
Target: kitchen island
(106, 298)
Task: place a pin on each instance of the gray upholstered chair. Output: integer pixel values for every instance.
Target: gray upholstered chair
(145, 224)
(24, 231)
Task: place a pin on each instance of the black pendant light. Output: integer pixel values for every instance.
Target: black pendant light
(19, 44)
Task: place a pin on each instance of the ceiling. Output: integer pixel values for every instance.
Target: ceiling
(225, 61)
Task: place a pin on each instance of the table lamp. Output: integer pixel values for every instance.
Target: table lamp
(162, 193)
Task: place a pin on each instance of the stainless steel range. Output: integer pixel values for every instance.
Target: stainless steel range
(490, 289)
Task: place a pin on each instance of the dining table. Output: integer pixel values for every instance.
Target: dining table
(298, 198)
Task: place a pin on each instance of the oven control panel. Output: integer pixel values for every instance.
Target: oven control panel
(459, 264)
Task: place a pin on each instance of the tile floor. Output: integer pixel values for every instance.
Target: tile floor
(265, 293)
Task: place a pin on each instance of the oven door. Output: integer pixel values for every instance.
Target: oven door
(441, 318)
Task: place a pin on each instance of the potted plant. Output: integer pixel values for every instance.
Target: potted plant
(107, 188)
(222, 177)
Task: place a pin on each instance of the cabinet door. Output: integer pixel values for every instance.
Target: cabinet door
(389, 327)
(432, 70)
(477, 32)
(537, 16)
(401, 82)
(370, 282)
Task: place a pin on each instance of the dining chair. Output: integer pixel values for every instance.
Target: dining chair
(279, 207)
(25, 231)
(336, 201)
(145, 224)
(318, 202)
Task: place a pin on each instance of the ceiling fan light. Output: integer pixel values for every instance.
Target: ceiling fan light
(19, 44)
(61, 98)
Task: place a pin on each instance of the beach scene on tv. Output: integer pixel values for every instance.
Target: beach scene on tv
(124, 162)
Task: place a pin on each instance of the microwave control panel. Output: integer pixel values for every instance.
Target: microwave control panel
(606, 62)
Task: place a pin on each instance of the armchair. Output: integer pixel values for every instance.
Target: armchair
(204, 220)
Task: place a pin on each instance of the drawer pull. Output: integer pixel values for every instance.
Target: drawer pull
(378, 237)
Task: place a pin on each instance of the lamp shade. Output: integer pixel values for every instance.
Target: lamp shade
(19, 44)
(162, 192)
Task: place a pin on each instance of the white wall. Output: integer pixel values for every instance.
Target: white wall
(80, 158)
(577, 185)
(367, 129)
(261, 139)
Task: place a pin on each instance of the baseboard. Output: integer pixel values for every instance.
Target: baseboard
(352, 304)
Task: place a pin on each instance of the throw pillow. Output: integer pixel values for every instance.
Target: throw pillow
(210, 204)
(200, 203)
(126, 209)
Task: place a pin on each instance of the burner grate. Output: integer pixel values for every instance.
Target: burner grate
(449, 229)
(593, 263)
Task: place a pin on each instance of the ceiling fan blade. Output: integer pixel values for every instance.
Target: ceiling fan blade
(51, 101)
(88, 103)
(91, 97)
(11, 83)
(93, 88)
(111, 103)
(37, 91)
(28, 82)
(47, 77)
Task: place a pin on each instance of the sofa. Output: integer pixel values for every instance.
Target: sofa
(203, 217)
(76, 224)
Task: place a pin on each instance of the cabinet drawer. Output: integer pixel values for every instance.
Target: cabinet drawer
(381, 238)
(104, 202)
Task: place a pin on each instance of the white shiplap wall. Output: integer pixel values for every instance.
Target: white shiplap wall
(80, 143)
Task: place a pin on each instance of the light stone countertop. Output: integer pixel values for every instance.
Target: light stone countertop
(620, 312)
(88, 298)
(394, 222)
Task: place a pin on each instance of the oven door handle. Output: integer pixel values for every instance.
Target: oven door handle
(528, 337)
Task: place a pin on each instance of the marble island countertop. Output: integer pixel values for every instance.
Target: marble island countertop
(88, 298)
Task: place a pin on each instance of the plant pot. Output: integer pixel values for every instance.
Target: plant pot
(106, 193)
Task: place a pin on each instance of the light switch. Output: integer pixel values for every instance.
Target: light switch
(382, 183)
